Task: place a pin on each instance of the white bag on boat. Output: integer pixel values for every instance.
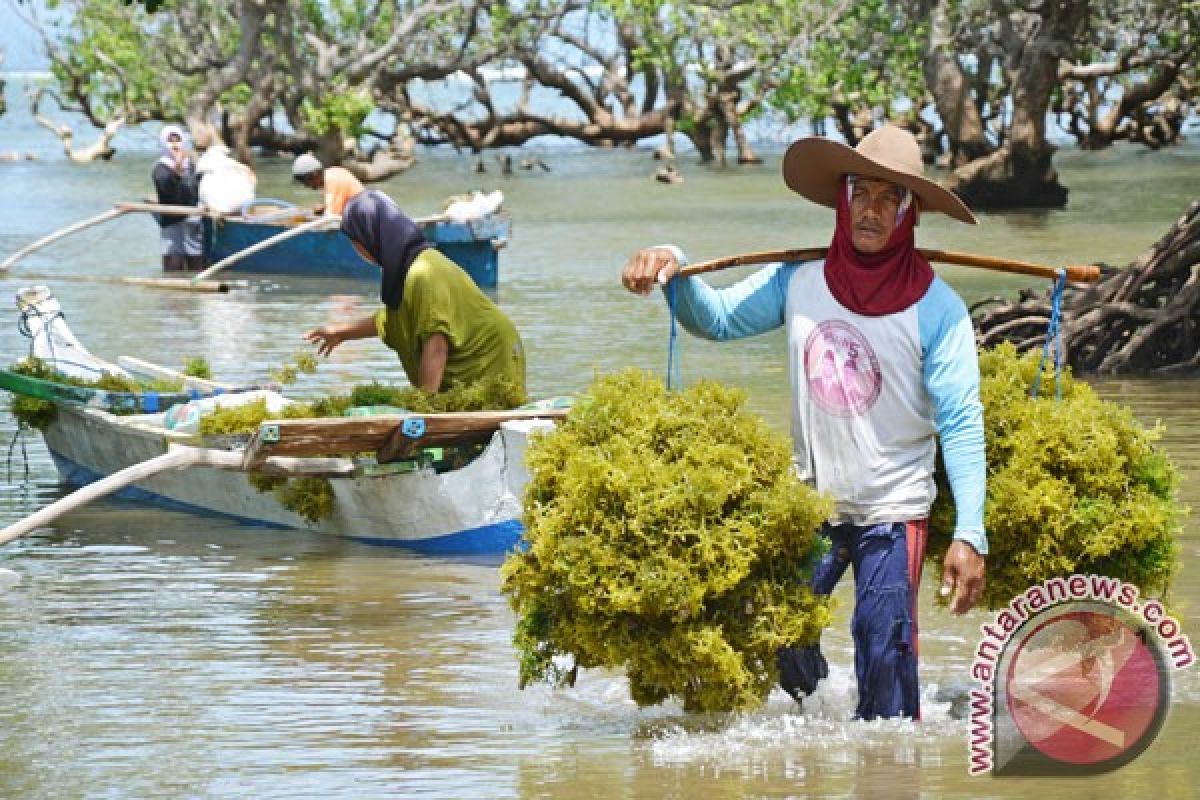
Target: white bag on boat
(479, 205)
(225, 184)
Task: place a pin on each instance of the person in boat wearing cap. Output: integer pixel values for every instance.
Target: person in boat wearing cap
(883, 364)
(338, 183)
(440, 323)
(181, 238)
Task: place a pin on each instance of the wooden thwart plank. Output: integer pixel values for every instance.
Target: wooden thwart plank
(312, 437)
(401, 445)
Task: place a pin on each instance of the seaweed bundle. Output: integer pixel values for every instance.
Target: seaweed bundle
(668, 535)
(1074, 486)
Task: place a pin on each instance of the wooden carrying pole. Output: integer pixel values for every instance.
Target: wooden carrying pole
(320, 222)
(1076, 274)
(176, 457)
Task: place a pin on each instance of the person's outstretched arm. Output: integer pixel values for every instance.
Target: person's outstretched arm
(751, 306)
(327, 337)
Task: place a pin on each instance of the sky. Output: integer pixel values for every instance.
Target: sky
(22, 47)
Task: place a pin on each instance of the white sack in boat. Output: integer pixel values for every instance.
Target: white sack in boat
(225, 184)
(479, 205)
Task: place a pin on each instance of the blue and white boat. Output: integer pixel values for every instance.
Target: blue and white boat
(472, 244)
(473, 509)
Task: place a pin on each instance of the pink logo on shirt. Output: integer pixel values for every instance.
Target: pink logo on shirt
(842, 369)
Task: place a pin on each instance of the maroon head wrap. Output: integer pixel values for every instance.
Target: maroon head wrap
(880, 283)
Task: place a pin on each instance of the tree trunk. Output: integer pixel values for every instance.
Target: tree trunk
(1020, 173)
(951, 90)
(101, 149)
(1144, 318)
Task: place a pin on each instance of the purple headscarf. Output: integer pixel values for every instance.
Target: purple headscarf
(394, 241)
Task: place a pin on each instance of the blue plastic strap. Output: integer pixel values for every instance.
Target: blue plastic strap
(674, 368)
(1053, 339)
(150, 402)
(413, 427)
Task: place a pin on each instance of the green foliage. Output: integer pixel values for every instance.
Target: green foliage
(342, 111)
(1075, 486)
(198, 367)
(667, 534)
(103, 60)
(870, 57)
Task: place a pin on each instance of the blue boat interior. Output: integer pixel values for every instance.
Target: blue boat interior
(473, 245)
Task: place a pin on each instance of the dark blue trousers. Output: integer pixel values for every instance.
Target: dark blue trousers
(887, 569)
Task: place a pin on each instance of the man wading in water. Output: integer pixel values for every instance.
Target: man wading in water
(883, 364)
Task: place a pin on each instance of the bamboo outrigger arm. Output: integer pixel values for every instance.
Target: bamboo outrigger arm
(177, 457)
(320, 223)
(61, 233)
(1077, 274)
(117, 210)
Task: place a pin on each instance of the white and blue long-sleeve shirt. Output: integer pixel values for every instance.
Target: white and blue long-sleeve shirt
(871, 395)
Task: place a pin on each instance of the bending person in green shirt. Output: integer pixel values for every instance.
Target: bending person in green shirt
(445, 330)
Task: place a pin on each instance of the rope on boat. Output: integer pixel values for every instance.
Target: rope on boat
(1053, 338)
(674, 362)
(47, 321)
(17, 436)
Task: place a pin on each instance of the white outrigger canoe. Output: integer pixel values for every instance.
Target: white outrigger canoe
(474, 509)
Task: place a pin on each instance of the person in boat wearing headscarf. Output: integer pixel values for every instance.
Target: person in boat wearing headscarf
(443, 327)
(174, 175)
(883, 365)
(337, 183)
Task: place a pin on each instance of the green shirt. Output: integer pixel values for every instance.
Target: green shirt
(439, 297)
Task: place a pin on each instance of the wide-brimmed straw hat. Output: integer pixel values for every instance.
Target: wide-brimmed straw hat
(814, 167)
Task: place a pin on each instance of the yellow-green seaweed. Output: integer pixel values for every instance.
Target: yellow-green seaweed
(310, 497)
(37, 413)
(1074, 486)
(666, 534)
(486, 395)
(197, 367)
(245, 419)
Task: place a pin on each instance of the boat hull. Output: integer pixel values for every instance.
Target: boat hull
(472, 510)
(474, 246)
